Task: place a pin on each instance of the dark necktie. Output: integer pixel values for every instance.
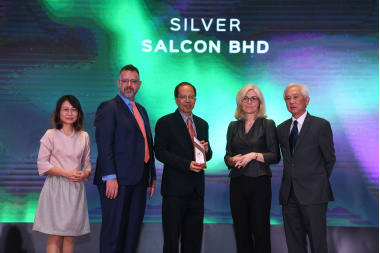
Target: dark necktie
(293, 137)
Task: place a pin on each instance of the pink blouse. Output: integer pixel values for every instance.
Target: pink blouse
(64, 152)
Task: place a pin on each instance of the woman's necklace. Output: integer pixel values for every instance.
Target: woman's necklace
(68, 135)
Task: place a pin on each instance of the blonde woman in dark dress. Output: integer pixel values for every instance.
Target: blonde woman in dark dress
(251, 147)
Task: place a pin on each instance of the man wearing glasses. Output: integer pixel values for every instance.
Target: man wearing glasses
(125, 167)
(183, 183)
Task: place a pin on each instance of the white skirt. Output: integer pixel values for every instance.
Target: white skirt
(62, 208)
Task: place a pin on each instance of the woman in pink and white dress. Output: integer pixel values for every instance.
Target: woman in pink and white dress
(65, 156)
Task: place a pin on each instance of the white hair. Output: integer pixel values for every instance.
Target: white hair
(304, 89)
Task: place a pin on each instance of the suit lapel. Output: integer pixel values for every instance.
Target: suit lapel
(241, 131)
(127, 112)
(145, 119)
(304, 129)
(286, 135)
(198, 128)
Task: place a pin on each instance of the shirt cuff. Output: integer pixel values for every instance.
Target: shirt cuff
(112, 176)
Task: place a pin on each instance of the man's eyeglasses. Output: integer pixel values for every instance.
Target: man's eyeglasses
(126, 81)
(252, 99)
(184, 97)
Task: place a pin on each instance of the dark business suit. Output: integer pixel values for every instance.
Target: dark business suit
(121, 149)
(174, 148)
(250, 187)
(305, 187)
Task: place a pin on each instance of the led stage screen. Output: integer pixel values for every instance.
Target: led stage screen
(54, 47)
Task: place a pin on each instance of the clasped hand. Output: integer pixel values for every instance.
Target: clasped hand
(240, 161)
(75, 176)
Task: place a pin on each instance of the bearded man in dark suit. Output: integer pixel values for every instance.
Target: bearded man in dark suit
(125, 168)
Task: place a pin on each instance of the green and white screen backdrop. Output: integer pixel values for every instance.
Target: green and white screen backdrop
(51, 48)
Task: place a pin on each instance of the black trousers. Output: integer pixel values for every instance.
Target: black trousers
(301, 220)
(250, 201)
(183, 216)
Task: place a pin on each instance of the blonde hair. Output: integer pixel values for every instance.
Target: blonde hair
(239, 114)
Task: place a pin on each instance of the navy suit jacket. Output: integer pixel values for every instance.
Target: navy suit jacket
(310, 167)
(175, 149)
(121, 144)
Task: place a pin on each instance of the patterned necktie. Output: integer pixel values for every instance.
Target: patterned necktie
(190, 128)
(293, 137)
(142, 128)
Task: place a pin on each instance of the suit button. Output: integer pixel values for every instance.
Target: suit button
(292, 164)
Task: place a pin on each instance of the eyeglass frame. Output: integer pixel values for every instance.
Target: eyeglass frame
(184, 97)
(253, 99)
(127, 81)
(67, 110)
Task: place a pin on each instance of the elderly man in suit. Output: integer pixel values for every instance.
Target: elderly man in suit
(183, 182)
(308, 156)
(125, 168)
